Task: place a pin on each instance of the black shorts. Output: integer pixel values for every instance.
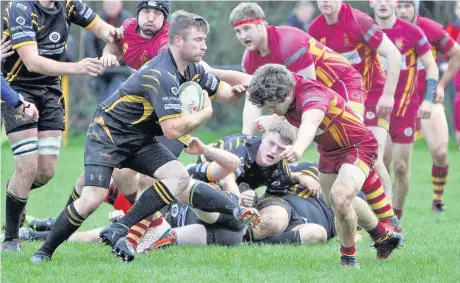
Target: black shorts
(217, 234)
(106, 149)
(175, 146)
(50, 104)
(304, 210)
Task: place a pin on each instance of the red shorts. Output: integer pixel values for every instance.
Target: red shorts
(371, 119)
(350, 87)
(363, 154)
(403, 128)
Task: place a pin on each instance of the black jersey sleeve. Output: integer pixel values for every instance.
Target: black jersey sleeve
(207, 81)
(280, 180)
(307, 168)
(20, 15)
(80, 14)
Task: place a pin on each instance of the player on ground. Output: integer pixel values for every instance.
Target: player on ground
(356, 36)
(347, 150)
(38, 31)
(298, 51)
(435, 129)
(132, 118)
(413, 44)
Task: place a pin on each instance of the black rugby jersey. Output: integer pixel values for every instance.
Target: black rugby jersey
(307, 168)
(276, 177)
(29, 23)
(149, 96)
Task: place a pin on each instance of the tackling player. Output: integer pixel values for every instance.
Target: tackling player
(347, 150)
(130, 119)
(38, 31)
(413, 44)
(298, 51)
(356, 36)
(435, 129)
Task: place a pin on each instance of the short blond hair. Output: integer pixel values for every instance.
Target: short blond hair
(286, 131)
(246, 11)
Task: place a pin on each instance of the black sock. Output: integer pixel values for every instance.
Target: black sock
(152, 200)
(36, 185)
(39, 235)
(14, 209)
(207, 198)
(73, 196)
(66, 224)
(291, 237)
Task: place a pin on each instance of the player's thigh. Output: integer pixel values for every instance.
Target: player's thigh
(435, 129)
(127, 180)
(24, 145)
(348, 183)
(311, 233)
(49, 145)
(326, 181)
(275, 215)
(218, 235)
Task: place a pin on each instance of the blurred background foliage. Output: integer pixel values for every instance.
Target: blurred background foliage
(223, 50)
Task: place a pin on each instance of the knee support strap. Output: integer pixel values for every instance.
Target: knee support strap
(25, 147)
(49, 145)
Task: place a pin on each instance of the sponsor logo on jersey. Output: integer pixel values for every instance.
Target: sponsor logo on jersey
(54, 36)
(20, 20)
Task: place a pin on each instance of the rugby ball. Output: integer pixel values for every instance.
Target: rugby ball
(191, 97)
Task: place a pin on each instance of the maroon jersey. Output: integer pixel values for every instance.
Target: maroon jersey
(138, 50)
(412, 43)
(340, 127)
(441, 42)
(357, 37)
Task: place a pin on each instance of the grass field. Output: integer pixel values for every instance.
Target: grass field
(431, 252)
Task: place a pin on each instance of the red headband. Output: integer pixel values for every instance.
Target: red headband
(251, 21)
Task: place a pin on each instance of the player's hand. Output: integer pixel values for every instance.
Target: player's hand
(291, 154)
(248, 198)
(238, 91)
(195, 147)
(109, 61)
(89, 66)
(385, 106)
(5, 48)
(439, 94)
(116, 215)
(29, 111)
(310, 183)
(115, 34)
(263, 122)
(425, 109)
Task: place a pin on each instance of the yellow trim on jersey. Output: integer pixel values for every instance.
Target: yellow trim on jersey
(185, 139)
(156, 71)
(13, 76)
(93, 22)
(152, 77)
(7, 22)
(150, 86)
(172, 116)
(208, 173)
(13, 69)
(6, 33)
(148, 108)
(101, 122)
(356, 107)
(30, 42)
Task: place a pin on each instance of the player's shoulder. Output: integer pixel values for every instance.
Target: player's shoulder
(129, 24)
(23, 7)
(317, 24)
(409, 29)
(429, 25)
(281, 30)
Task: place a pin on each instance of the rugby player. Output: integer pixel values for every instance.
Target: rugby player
(413, 44)
(347, 150)
(38, 31)
(356, 36)
(435, 129)
(144, 107)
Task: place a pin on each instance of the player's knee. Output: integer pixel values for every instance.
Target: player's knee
(340, 201)
(182, 179)
(400, 167)
(440, 154)
(91, 198)
(312, 234)
(45, 174)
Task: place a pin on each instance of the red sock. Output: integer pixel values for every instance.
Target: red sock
(379, 232)
(348, 251)
(376, 198)
(439, 177)
(398, 213)
(117, 199)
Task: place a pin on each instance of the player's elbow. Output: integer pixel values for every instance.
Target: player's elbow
(233, 162)
(172, 133)
(31, 65)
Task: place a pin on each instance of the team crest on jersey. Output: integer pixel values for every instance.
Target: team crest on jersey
(20, 20)
(346, 40)
(125, 47)
(144, 57)
(399, 43)
(54, 36)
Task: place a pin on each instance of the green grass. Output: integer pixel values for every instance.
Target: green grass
(431, 252)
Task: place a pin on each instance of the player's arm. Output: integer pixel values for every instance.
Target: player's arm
(112, 48)
(388, 50)
(250, 114)
(432, 76)
(452, 68)
(311, 120)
